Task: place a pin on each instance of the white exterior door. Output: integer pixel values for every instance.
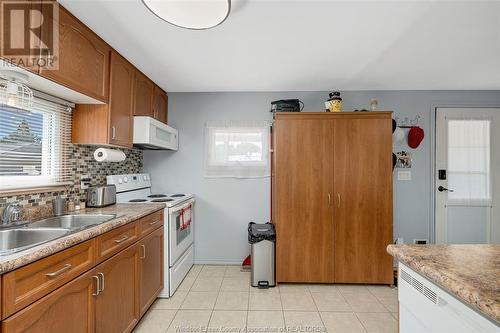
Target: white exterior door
(467, 175)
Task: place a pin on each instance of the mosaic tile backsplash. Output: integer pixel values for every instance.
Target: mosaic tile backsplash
(82, 163)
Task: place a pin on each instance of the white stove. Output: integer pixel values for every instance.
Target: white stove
(178, 224)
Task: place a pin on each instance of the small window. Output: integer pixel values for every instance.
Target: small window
(35, 145)
(237, 149)
(469, 162)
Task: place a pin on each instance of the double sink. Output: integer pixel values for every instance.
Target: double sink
(18, 238)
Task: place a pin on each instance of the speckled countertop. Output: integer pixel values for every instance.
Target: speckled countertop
(125, 213)
(469, 272)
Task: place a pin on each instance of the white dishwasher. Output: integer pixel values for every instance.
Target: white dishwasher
(425, 307)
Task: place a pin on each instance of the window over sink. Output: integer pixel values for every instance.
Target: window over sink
(35, 145)
(237, 149)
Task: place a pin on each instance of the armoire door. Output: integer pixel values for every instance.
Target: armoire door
(363, 199)
(303, 199)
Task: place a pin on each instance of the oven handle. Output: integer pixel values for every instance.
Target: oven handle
(184, 205)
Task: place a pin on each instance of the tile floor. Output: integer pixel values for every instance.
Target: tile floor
(220, 299)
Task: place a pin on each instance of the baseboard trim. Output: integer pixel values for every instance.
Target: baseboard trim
(217, 262)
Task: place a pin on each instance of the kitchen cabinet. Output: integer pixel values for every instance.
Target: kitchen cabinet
(160, 105)
(150, 269)
(83, 60)
(144, 89)
(117, 309)
(109, 124)
(70, 291)
(332, 201)
(68, 309)
(304, 170)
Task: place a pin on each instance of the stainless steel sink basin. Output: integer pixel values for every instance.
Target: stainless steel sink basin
(72, 222)
(14, 240)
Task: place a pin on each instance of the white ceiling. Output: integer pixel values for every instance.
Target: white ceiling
(308, 45)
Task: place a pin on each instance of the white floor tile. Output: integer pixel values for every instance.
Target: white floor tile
(233, 300)
(235, 271)
(235, 284)
(342, 322)
(188, 321)
(323, 288)
(265, 301)
(212, 271)
(298, 301)
(297, 321)
(207, 284)
(265, 321)
(199, 300)
(293, 288)
(364, 303)
(155, 321)
(186, 284)
(228, 321)
(378, 322)
(331, 302)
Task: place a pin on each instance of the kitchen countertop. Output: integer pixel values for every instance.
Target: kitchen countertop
(471, 273)
(125, 213)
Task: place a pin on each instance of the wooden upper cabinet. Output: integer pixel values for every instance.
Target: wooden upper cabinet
(143, 95)
(83, 59)
(67, 309)
(120, 101)
(160, 105)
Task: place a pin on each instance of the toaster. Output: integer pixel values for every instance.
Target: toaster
(101, 196)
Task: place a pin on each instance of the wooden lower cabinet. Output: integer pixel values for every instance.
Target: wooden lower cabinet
(67, 309)
(109, 297)
(117, 309)
(150, 269)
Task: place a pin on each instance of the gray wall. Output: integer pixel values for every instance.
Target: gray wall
(225, 206)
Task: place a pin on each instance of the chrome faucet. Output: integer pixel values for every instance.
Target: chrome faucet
(11, 213)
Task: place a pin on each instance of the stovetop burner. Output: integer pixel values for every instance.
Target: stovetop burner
(137, 200)
(177, 195)
(157, 196)
(162, 200)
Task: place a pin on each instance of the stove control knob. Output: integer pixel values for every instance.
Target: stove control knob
(120, 180)
(125, 179)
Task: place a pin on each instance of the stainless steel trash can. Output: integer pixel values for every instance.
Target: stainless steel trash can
(262, 237)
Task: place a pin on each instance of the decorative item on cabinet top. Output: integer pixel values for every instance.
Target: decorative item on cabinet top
(415, 135)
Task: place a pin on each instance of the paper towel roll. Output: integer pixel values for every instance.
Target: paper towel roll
(109, 155)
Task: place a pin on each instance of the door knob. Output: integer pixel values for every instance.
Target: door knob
(441, 189)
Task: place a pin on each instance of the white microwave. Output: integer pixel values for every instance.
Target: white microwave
(153, 134)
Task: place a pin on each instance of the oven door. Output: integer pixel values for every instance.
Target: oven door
(181, 233)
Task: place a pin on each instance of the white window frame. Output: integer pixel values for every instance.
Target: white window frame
(53, 164)
(236, 169)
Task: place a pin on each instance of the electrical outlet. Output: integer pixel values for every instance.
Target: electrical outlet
(420, 241)
(85, 181)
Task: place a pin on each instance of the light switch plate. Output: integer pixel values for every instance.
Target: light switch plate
(404, 175)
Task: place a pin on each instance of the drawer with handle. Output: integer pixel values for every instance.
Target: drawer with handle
(29, 283)
(150, 223)
(116, 240)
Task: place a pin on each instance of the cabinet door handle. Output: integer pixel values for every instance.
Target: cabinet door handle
(124, 238)
(101, 282)
(113, 132)
(97, 290)
(143, 247)
(338, 195)
(153, 223)
(66, 267)
(329, 199)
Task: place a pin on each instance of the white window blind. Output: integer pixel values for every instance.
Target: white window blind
(35, 145)
(469, 162)
(237, 149)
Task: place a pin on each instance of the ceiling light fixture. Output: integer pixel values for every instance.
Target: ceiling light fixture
(13, 90)
(191, 14)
